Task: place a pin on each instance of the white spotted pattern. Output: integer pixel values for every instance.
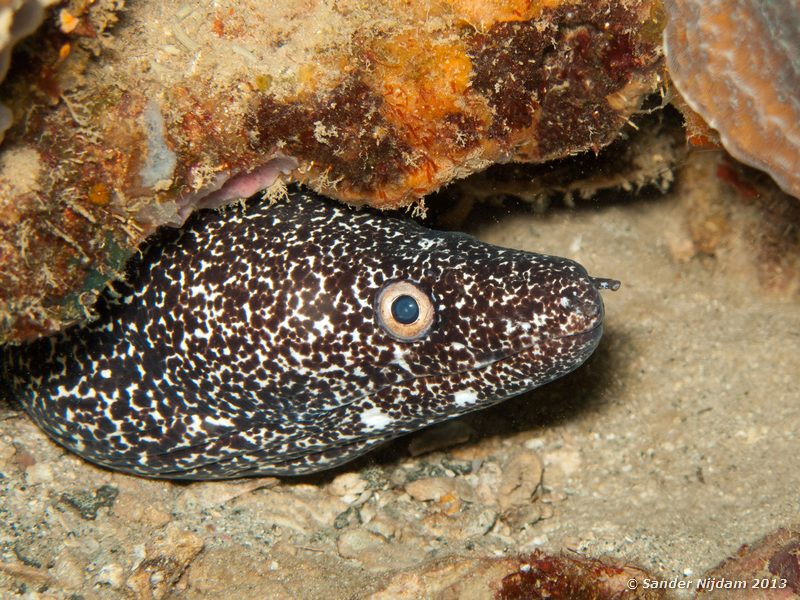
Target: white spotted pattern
(247, 344)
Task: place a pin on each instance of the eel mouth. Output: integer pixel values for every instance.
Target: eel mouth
(586, 337)
(587, 340)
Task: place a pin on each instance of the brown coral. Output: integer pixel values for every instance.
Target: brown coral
(737, 64)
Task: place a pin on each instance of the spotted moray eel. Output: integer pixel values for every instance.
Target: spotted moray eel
(291, 338)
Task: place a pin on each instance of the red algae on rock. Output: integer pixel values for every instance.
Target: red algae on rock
(737, 64)
(416, 109)
(574, 577)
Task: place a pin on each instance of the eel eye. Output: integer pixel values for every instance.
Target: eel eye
(404, 311)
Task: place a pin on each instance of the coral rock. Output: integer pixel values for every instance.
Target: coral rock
(119, 128)
(536, 576)
(737, 64)
(766, 570)
(18, 18)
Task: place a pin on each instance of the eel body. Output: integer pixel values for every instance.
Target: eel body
(290, 338)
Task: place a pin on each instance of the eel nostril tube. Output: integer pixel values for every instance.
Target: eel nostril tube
(601, 283)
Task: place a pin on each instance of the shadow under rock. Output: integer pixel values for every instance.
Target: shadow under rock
(9, 406)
